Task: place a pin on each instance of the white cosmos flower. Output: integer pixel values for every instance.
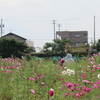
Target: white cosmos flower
(72, 72)
(88, 66)
(63, 72)
(65, 67)
(51, 89)
(98, 76)
(69, 72)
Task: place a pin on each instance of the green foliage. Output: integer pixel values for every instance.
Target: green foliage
(57, 47)
(12, 47)
(98, 46)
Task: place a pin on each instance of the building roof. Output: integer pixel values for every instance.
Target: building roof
(14, 34)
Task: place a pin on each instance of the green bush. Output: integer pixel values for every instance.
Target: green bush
(12, 47)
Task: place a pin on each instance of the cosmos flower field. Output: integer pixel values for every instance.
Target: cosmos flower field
(42, 79)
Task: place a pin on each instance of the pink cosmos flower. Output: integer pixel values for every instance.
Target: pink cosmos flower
(54, 75)
(62, 79)
(66, 94)
(95, 55)
(42, 82)
(69, 85)
(90, 59)
(91, 83)
(32, 68)
(39, 76)
(1, 67)
(83, 76)
(32, 79)
(98, 82)
(95, 86)
(32, 91)
(7, 71)
(61, 61)
(81, 92)
(98, 64)
(97, 68)
(88, 90)
(93, 71)
(85, 81)
(72, 89)
(76, 84)
(78, 95)
(51, 92)
(84, 88)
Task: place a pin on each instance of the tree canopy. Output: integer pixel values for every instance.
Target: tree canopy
(13, 47)
(58, 46)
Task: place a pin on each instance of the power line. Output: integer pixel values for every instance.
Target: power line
(47, 19)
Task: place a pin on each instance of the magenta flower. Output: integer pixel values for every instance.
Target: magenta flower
(95, 86)
(69, 85)
(85, 81)
(61, 61)
(81, 93)
(51, 92)
(76, 84)
(89, 89)
(91, 83)
(93, 71)
(32, 79)
(83, 76)
(90, 59)
(95, 55)
(66, 94)
(32, 91)
(39, 76)
(78, 95)
(98, 82)
(84, 88)
(72, 89)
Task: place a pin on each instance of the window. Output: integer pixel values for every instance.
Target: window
(77, 44)
(85, 38)
(77, 35)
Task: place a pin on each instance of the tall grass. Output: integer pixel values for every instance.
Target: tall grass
(33, 79)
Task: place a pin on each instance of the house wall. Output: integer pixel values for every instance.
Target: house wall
(75, 36)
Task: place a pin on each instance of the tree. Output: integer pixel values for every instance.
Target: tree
(98, 45)
(57, 47)
(9, 47)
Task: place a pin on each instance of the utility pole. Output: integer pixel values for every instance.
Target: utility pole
(55, 35)
(94, 30)
(59, 27)
(1, 26)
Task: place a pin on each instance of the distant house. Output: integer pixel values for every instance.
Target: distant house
(19, 38)
(78, 37)
(14, 36)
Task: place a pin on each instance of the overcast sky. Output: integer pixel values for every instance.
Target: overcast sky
(33, 19)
